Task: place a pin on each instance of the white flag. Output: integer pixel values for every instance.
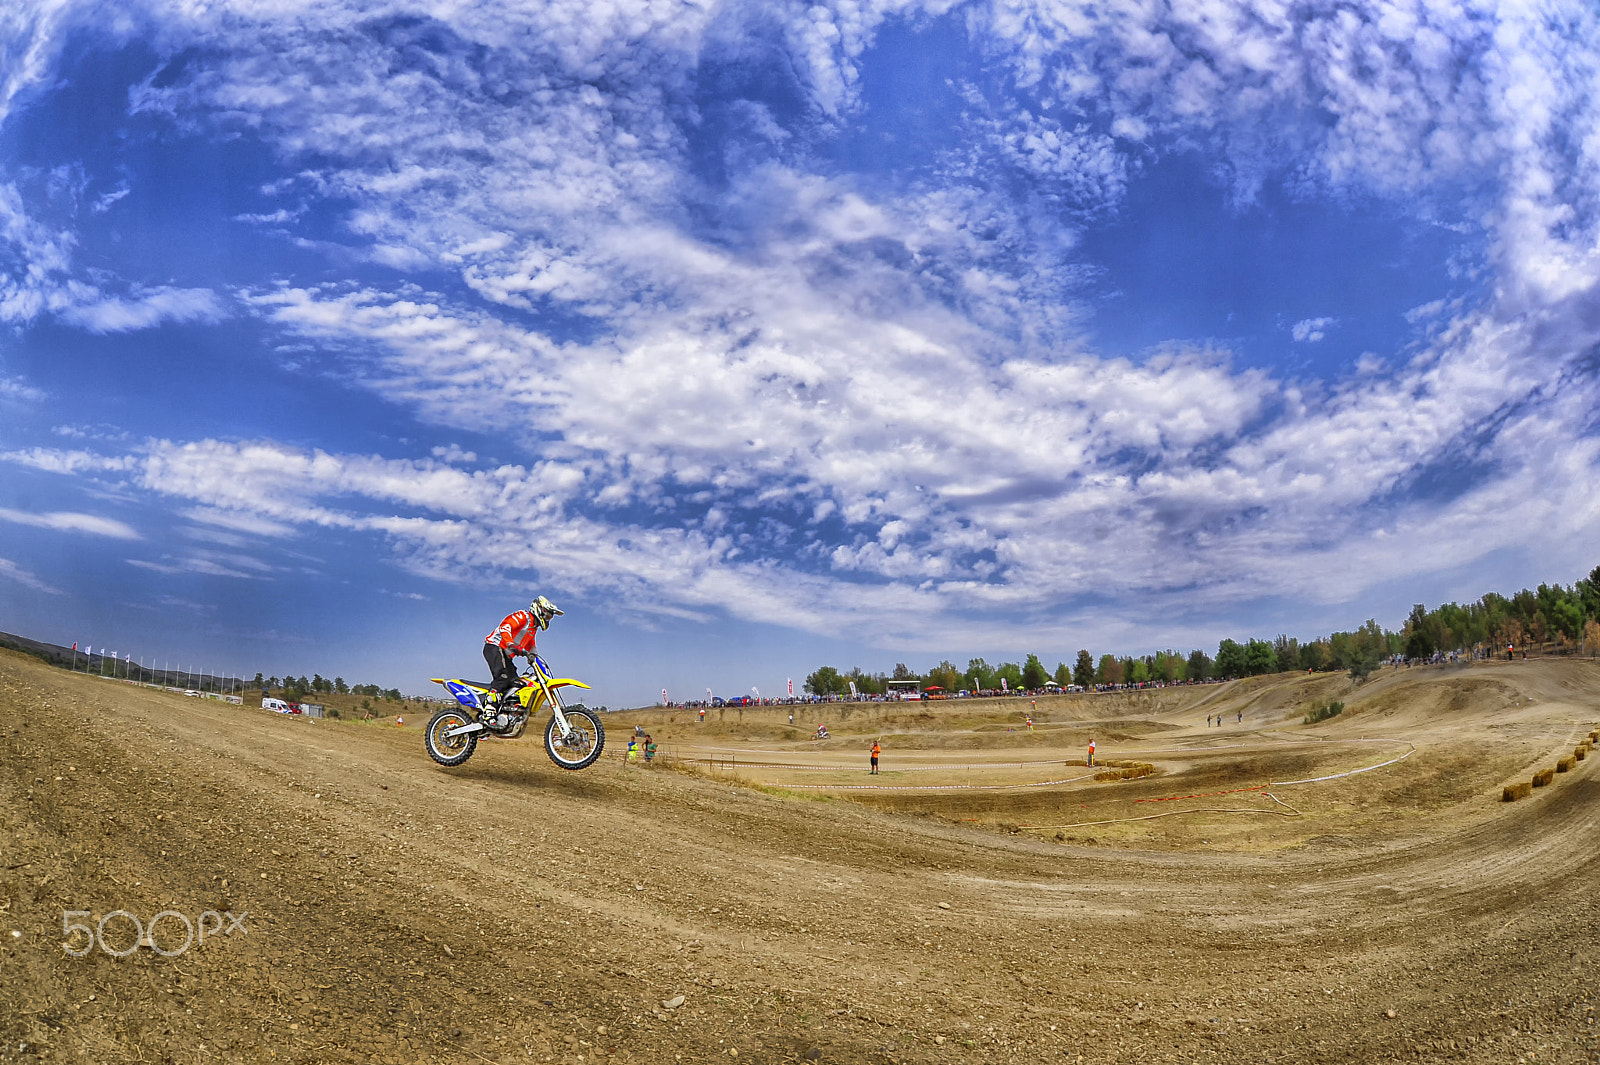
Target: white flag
(791, 685)
(1003, 686)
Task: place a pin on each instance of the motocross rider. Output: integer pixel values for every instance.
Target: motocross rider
(515, 636)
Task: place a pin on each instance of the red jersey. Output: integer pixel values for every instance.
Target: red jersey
(516, 632)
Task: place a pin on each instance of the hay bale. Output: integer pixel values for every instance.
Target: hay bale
(1565, 765)
(1514, 792)
(1110, 774)
(1543, 777)
(1581, 751)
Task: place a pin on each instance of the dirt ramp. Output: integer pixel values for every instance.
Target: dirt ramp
(396, 912)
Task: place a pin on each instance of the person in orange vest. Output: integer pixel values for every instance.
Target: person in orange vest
(1091, 752)
(875, 750)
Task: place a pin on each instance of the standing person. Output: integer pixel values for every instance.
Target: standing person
(515, 636)
(1240, 718)
(1091, 752)
(875, 750)
(649, 748)
(633, 750)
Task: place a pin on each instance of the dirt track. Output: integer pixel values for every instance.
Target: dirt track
(387, 899)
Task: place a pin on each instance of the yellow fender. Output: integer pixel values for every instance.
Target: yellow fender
(533, 696)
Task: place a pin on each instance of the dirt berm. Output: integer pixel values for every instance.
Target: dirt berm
(389, 910)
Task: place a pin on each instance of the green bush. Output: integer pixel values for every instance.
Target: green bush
(1322, 712)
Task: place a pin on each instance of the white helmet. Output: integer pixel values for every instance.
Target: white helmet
(543, 610)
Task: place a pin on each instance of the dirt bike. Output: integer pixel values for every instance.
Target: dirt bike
(573, 738)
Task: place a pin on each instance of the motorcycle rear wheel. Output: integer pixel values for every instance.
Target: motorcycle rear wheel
(449, 750)
(580, 747)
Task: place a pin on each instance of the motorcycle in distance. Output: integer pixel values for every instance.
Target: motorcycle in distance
(573, 738)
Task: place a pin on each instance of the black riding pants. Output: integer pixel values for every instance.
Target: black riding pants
(501, 666)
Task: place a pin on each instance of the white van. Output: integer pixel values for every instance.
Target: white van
(279, 705)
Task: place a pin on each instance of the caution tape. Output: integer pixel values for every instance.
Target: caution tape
(1353, 772)
(919, 787)
(854, 766)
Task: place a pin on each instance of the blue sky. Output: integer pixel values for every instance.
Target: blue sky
(762, 336)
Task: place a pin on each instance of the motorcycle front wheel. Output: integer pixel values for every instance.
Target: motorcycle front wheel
(449, 750)
(579, 747)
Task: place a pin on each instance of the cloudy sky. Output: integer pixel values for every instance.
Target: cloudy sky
(763, 335)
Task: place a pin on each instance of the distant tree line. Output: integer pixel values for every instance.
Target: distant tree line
(1549, 619)
(294, 688)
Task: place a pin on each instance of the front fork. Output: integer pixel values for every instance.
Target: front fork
(554, 701)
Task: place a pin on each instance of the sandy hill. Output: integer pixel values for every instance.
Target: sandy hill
(509, 911)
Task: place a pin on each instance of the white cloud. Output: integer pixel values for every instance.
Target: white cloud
(114, 314)
(238, 521)
(105, 202)
(17, 390)
(1311, 330)
(53, 460)
(864, 401)
(33, 262)
(208, 564)
(11, 571)
(38, 277)
(67, 521)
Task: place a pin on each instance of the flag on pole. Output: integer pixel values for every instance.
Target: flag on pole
(663, 695)
(1003, 686)
(852, 689)
(74, 646)
(791, 685)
